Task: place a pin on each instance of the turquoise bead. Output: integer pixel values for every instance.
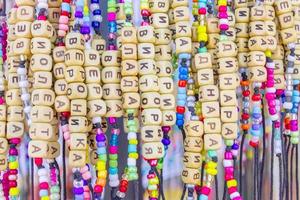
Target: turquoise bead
(54, 189)
(133, 176)
(203, 197)
(212, 153)
(43, 193)
(132, 148)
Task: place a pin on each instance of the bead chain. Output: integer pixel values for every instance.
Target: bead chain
(131, 97)
(4, 142)
(95, 103)
(112, 93)
(152, 148)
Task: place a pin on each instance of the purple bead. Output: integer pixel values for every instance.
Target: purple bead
(112, 120)
(78, 190)
(255, 126)
(166, 141)
(85, 30)
(100, 137)
(256, 115)
(78, 14)
(166, 129)
(235, 146)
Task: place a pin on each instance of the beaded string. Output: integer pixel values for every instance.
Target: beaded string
(131, 97)
(4, 142)
(96, 104)
(112, 93)
(152, 148)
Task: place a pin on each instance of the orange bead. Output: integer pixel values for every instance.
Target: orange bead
(101, 182)
(245, 127)
(244, 83)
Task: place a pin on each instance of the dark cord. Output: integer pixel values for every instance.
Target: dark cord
(183, 192)
(202, 173)
(64, 170)
(91, 189)
(272, 160)
(183, 133)
(280, 177)
(32, 178)
(216, 187)
(297, 173)
(291, 172)
(241, 164)
(287, 168)
(224, 191)
(112, 192)
(255, 172)
(261, 176)
(162, 185)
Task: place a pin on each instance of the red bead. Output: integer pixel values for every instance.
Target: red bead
(180, 109)
(182, 83)
(64, 13)
(12, 184)
(44, 185)
(145, 13)
(201, 11)
(254, 144)
(245, 116)
(124, 183)
(256, 97)
(38, 161)
(246, 93)
(98, 189)
(123, 189)
(232, 190)
(66, 114)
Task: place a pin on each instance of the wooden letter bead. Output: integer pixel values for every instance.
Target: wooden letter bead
(2, 113)
(208, 93)
(41, 131)
(228, 98)
(78, 141)
(114, 108)
(212, 125)
(152, 150)
(283, 6)
(62, 104)
(183, 45)
(2, 129)
(131, 100)
(3, 145)
(129, 84)
(3, 162)
(258, 74)
(210, 109)
(166, 85)
(12, 16)
(205, 77)
(59, 70)
(168, 118)
(54, 150)
(92, 75)
(212, 141)
(13, 97)
(230, 131)
(203, 60)
(288, 35)
(129, 51)
(77, 158)
(228, 81)
(160, 20)
(257, 13)
(163, 36)
(181, 13)
(279, 69)
(21, 46)
(15, 113)
(112, 91)
(129, 68)
(164, 68)
(160, 6)
(99, 45)
(278, 53)
(11, 37)
(163, 52)
(270, 28)
(25, 13)
(94, 91)
(14, 129)
(41, 62)
(192, 160)
(77, 91)
(229, 114)
(230, 33)
(42, 114)
(271, 42)
(146, 34)
(148, 83)
(38, 149)
(42, 79)
(213, 25)
(78, 124)
(53, 15)
(193, 144)
(128, 35)
(13, 81)
(227, 65)
(41, 29)
(40, 45)
(111, 58)
(256, 58)
(147, 66)
(241, 30)
(242, 14)
(96, 108)
(22, 29)
(226, 49)
(78, 107)
(75, 41)
(279, 82)
(91, 57)
(151, 134)
(191, 176)
(146, 51)
(43, 97)
(151, 116)
(195, 129)
(74, 57)
(74, 74)
(286, 20)
(257, 28)
(167, 101)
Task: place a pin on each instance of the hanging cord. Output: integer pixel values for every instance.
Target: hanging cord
(183, 133)
(202, 173)
(3, 11)
(216, 187)
(297, 173)
(255, 172)
(280, 177)
(241, 163)
(32, 178)
(183, 192)
(287, 167)
(272, 160)
(162, 195)
(291, 171)
(224, 191)
(162, 185)
(64, 170)
(261, 176)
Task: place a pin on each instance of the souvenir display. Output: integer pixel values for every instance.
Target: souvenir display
(223, 75)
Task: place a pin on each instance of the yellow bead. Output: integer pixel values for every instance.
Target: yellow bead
(268, 53)
(14, 191)
(45, 198)
(133, 141)
(211, 165)
(133, 155)
(100, 165)
(154, 193)
(201, 29)
(231, 183)
(102, 174)
(144, 5)
(154, 181)
(202, 37)
(222, 2)
(212, 171)
(13, 165)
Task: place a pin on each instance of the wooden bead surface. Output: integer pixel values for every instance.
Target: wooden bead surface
(166, 85)
(74, 57)
(228, 98)
(258, 74)
(151, 116)
(212, 125)
(242, 14)
(210, 109)
(131, 100)
(148, 83)
(22, 29)
(25, 13)
(43, 114)
(96, 108)
(227, 65)
(283, 6)
(167, 101)
(78, 107)
(147, 66)
(257, 13)
(159, 20)
(191, 176)
(14, 129)
(78, 141)
(129, 51)
(145, 34)
(75, 40)
(151, 133)
(193, 144)
(183, 45)
(94, 91)
(208, 93)
(41, 62)
(99, 45)
(42, 131)
(229, 131)
(40, 45)
(226, 49)
(129, 35)
(112, 92)
(62, 104)
(15, 113)
(163, 52)
(181, 13)
(3, 162)
(3, 146)
(13, 97)
(129, 68)
(114, 108)
(77, 158)
(256, 58)
(152, 150)
(91, 58)
(41, 29)
(212, 141)
(42, 80)
(77, 91)
(229, 114)
(288, 35)
(21, 46)
(203, 60)
(59, 70)
(111, 58)
(163, 36)
(195, 129)
(168, 117)
(146, 51)
(160, 6)
(164, 68)
(129, 84)
(42, 97)
(205, 77)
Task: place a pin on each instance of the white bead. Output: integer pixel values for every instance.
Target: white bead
(223, 21)
(97, 18)
(25, 97)
(27, 109)
(255, 138)
(94, 6)
(288, 93)
(43, 179)
(234, 195)
(291, 45)
(114, 183)
(227, 163)
(287, 105)
(194, 118)
(274, 117)
(2, 88)
(22, 71)
(270, 65)
(289, 70)
(131, 162)
(131, 135)
(257, 84)
(43, 5)
(270, 90)
(12, 177)
(113, 177)
(42, 172)
(42, 1)
(1, 81)
(291, 58)
(23, 84)
(96, 120)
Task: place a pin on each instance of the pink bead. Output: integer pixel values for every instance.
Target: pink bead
(2, 101)
(116, 131)
(270, 71)
(145, 24)
(111, 47)
(271, 102)
(111, 16)
(15, 140)
(205, 190)
(145, 13)
(84, 169)
(113, 149)
(277, 124)
(238, 198)
(42, 17)
(223, 15)
(152, 162)
(63, 19)
(202, 11)
(99, 131)
(63, 27)
(229, 170)
(44, 185)
(229, 177)
(270, 96)
(65, 128)
(228, 155)
(272, 111)
(67, 135)
(224, 27)
(232, 190)
(222, 9)
(279, 92)
(150, 176)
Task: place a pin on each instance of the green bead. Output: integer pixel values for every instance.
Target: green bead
(152, 187)
(202, 50)
(153, 181)
(229, 142)
(294, 140)
(111, 10)
(132, 129)
(113, 156)
(223, 37)
(159, 165)
(54, 189)
(130, 111)
(11, 158)
(133, 176)
(113, 163)
(127, 24)
(102, 157)
(212, 153)
(132, 169)
(128, 11)
(131, 123)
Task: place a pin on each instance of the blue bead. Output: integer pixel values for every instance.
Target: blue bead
(255, 126)
(183, 77)
(183, 70)
(203, 197)
(101, 150)
(180, 102)
(97, 12)
(235, 146)
(256, 110)
(184, 55)
(179, 116)
(95, 24)
(65, 7)
(179, 122)
(166, 141)
(43, 193)
(181, 96)
(256, 115)
(95, 1)
(132, 148)
(113, 170)
(255, 132)
(181, 90)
